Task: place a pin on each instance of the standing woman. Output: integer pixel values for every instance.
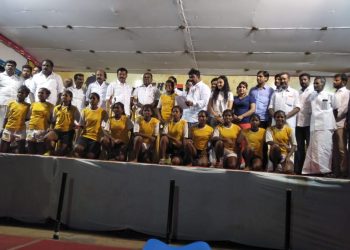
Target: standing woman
(117, 133)
(243, 105)
(318, 159)
(39, 122)
(221, 99)
(88, 143)
(196, 148)
(166, 102)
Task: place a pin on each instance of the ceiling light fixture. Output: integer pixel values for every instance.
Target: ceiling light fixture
(92, 51)
(44, 27)
(88, 68)
(254, 28)
(138, 52)
(246, 70)
(69, 50)
(69, 27)
(107, 68)
(182, 27)
(250, 53)
(307, 53)
(324, 28)
(122, 28)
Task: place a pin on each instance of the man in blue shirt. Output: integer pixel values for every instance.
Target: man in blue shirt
(262, 94)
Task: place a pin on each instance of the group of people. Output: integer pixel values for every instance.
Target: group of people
(276, 129)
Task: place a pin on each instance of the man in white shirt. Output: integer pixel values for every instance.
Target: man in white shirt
(339, 163)
(147, 93)
(287, 100)
(78, 92)
(9, 84)
(99, 87)
(302, 131)
(197, 98)
(49, 80)
(28, 81)
(120, 91)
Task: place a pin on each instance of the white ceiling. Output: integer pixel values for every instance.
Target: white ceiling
(215, 36)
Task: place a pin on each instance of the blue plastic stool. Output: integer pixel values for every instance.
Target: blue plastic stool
(154, 244)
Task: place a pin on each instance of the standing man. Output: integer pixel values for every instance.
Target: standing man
(287, 100)
(198, 96)
(50, 80)
(339, 160)
(262, 94)
(78, 92)
(120, 91)
(28, 81)
(302, 131)
(9, 84)
(99, 87)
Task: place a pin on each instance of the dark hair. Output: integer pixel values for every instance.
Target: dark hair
(11, 62)
(26, 66)
(24, 88)
(120, 105)
(225, 89)
(343, 77)
(254, 116)
(48, 92)
(70, 103)
(148, 73)
(177, 107)
(321, 78)
(265, 73)
(173, 78)
(147, 106)
(285, 73)
(214, 79)
(48, 61)
(78, 75)
(230, 111)
(204, 112)
(278, 75)
(194, 72)
(305, 74)
(279, 112)
(122, 69)
(172, 84)
(243, 83)
(95, 94)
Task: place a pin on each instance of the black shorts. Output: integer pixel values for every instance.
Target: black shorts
(174, 151)
(201, 153)
(89, 145)
(65, 137)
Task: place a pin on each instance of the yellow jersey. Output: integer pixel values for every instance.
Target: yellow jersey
(201, 136)
(150, 128)
(16, 115)
(40, 115)
(178, 130)
(64, 117)
(255, 140)
(283, 137)
(91, 120)
(228, 133)
(119, 128)
(166, 104)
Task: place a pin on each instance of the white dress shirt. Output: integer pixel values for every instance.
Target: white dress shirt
(304, 115)
(53, 83)
(322, 105)
(342, 100)
(100, 89)
(8, 87)
(146, 95)
(220, 105)
(120, 92)
(30, 85)
(78, 97)
(286, 100)
(199, 95)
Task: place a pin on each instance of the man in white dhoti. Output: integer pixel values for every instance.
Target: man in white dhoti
(318, 158)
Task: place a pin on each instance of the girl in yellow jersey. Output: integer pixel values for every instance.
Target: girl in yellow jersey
(116, 139)
(282, 142)
(172, 140)
(39, 123)
(196, 148)
(65, 116)
(225, 139)
(14, 128)
(166, 102)
(88, 144)
(254, 138)
(146, 130)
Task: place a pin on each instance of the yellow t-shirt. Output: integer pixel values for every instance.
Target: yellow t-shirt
(65, 117)
(178, 130)
(281, 136)
(119, 129)
(255, 140)
(91, 120)
(16, 115)
(229, 133)
(41, 115)
(150, 128)
(167, 102)
(201, 136)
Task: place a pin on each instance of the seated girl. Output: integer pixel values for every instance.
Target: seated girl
(117, 133)
(40, 114)
(254, 138)
(88, 143)
(173, 136)
(282, 142)
(225, 139)
(14, 122)
(65, 116)
(166, 102)
(196, 148)
(146, 131)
